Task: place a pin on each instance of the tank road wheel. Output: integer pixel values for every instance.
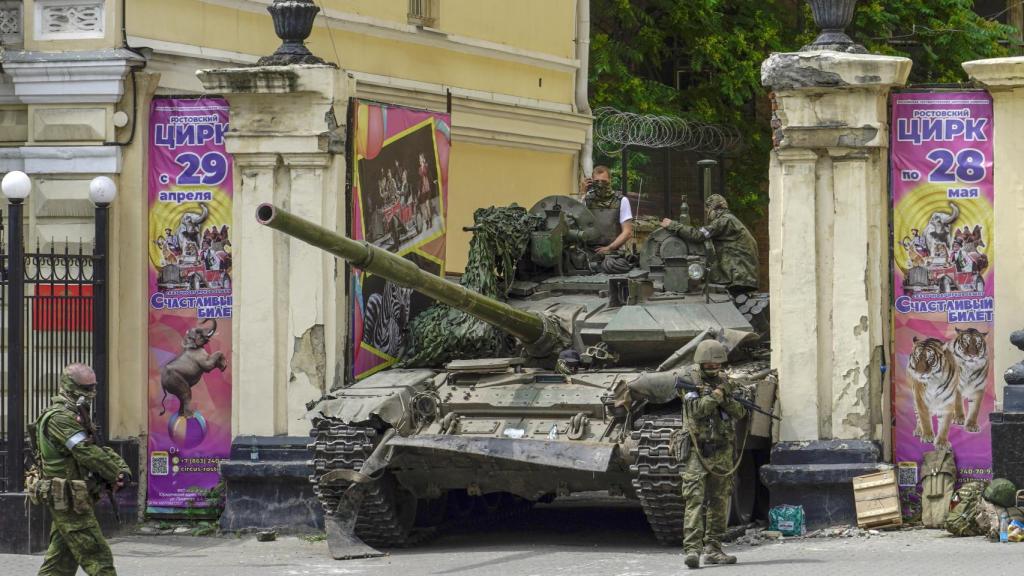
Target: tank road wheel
(657, 477)
(388, 512)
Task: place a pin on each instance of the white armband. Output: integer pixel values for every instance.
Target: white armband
(75, 440)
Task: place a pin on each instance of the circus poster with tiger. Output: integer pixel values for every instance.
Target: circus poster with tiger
(398, 202)
(943, 294)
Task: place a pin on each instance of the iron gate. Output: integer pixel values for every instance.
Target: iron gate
(51, 314)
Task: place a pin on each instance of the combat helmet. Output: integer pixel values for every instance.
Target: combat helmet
(711, 352)
(78, 380)
(1001, 492)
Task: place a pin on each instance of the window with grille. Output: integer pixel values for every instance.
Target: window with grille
(424, 12)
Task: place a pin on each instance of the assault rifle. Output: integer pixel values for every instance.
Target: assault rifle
(85, 416)
(689, 386)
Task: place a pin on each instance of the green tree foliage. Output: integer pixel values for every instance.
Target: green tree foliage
(638, 45)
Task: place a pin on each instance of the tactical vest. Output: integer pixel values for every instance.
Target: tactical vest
(606, 222)
(57, 461)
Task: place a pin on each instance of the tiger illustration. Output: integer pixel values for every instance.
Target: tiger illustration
(933, 372)
(971, 354)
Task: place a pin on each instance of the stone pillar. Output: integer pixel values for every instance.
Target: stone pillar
(288, 341)
(288, 149)
(1004, 79)
(829, 265)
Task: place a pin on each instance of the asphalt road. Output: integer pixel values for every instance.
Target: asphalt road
(558, 540)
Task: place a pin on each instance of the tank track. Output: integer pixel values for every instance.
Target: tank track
(657, 476)
(340, 446)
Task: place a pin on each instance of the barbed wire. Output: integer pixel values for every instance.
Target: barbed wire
(614, 130)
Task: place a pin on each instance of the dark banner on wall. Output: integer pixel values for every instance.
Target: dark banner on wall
(942, 192)
(189, 239)
(399, 203)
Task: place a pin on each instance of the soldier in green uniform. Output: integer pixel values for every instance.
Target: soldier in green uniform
(708, 418)
(735, 261)
(72, 468)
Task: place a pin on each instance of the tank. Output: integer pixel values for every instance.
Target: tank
(406, 450)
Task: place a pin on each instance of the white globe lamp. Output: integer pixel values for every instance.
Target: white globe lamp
(102, 190)
(16, 186)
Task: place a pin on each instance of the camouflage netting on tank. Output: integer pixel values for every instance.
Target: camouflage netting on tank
(440, 333)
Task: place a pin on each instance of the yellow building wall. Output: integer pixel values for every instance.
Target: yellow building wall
(546, 26)
(218, 27)
(480, 176)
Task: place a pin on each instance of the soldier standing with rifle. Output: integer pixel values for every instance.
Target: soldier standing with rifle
(709, 415)
(70, 471)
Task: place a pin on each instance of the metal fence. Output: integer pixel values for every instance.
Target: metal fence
(49, 318)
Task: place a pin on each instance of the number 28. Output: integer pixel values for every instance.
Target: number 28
(966, 166)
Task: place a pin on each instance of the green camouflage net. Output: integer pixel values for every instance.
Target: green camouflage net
(440, 333)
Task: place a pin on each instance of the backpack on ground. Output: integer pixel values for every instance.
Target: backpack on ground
(937, 483)
(962, 519)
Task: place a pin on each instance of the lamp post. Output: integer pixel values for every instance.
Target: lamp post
(16, 186)
(102, 192)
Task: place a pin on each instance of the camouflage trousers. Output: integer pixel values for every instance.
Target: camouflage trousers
(707, 501)
(76, 540)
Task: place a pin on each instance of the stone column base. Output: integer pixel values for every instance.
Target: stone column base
(1007, 449)
(271, 491)
(818, 476)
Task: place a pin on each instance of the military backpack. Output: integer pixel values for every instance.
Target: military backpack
(962, 520)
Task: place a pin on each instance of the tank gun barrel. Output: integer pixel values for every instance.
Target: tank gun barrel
(534, 330)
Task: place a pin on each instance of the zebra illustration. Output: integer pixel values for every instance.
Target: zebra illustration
(386, 317)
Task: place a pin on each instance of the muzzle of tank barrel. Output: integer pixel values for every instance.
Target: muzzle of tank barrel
(581, 456)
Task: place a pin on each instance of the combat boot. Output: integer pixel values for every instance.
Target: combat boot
(715, 555)
(692, 560)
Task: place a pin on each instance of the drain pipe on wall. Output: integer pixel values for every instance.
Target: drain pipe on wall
(582, 76)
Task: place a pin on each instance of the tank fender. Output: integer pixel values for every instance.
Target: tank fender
(387, 395)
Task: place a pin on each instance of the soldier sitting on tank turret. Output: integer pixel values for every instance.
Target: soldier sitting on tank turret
(734, 262)
(614, 219)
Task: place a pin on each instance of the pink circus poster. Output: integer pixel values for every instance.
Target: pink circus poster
(942, 193)
(399, 203)
(190, 304)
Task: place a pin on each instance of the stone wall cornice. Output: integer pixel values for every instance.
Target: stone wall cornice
(997, 74)
(825, 71)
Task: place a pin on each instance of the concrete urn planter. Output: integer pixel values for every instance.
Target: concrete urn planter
(833, 16)
(293, 23)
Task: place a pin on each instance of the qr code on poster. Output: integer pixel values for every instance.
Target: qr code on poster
(907, 473)
(158, 464)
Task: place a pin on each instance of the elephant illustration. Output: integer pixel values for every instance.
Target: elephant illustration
(189, 226)
(939, 227)
(178, 376)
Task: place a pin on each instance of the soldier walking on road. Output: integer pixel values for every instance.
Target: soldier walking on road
(71, 472)
(708, 418)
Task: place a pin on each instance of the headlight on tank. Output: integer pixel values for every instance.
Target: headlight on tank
(696, 271)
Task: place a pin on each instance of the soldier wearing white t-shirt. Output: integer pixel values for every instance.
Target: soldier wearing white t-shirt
(613, 216)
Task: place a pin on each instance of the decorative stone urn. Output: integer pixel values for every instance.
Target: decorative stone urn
(833, 16)
(293, 23)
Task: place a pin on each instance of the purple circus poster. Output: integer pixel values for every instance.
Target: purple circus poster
(189, 241)
(399, 203)
(942, 198)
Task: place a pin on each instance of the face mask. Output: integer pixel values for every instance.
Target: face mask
(709, 372)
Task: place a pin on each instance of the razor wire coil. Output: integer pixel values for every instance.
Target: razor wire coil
(614, 130)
